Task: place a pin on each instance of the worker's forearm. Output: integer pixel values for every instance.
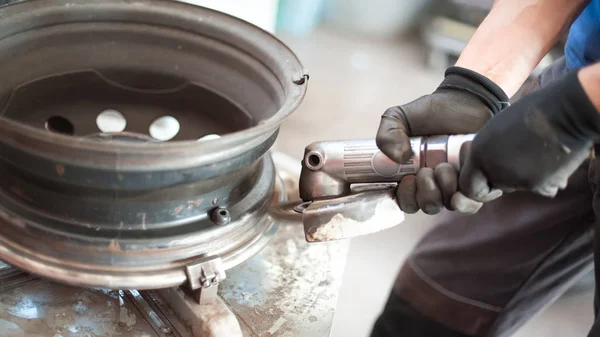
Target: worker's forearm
(589, 77)
(515, 36)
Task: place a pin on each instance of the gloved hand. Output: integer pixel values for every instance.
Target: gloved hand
(463, 103)
(535, 145)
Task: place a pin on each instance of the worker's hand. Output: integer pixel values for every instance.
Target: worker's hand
(462, 104)
(535, 145)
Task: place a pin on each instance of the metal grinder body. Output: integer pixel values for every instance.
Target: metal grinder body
(330, 168)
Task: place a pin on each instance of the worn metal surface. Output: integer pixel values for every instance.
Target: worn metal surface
(32, 307)
(135, 211)
(290, 289)
(46, 309)
(351, 216)
(369, 209)
(209, 319)
(289, 212)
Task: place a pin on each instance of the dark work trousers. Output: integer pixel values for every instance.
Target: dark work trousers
(487, 274)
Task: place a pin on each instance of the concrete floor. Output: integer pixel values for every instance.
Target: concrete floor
(353, 80)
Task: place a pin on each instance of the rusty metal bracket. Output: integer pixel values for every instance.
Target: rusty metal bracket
(204, 277)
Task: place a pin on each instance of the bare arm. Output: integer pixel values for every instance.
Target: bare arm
(515, 36)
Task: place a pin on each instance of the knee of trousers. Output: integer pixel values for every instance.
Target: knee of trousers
(451, 310)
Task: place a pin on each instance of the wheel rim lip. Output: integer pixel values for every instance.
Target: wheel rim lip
(151, 278)
(179, 152)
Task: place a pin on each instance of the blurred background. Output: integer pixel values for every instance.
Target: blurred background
(363, 57)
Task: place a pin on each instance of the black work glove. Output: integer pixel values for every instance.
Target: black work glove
(534, 145)
(462, 104)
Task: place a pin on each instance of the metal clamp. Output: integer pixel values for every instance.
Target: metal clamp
(204, 277)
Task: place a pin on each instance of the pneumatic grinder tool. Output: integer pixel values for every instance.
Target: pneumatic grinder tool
(347, 187)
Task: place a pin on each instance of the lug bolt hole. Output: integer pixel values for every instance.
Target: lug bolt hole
(58, 124)
(111, 120)
(164, 128)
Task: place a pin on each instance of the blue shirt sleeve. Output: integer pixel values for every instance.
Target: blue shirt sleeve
(583, 43)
